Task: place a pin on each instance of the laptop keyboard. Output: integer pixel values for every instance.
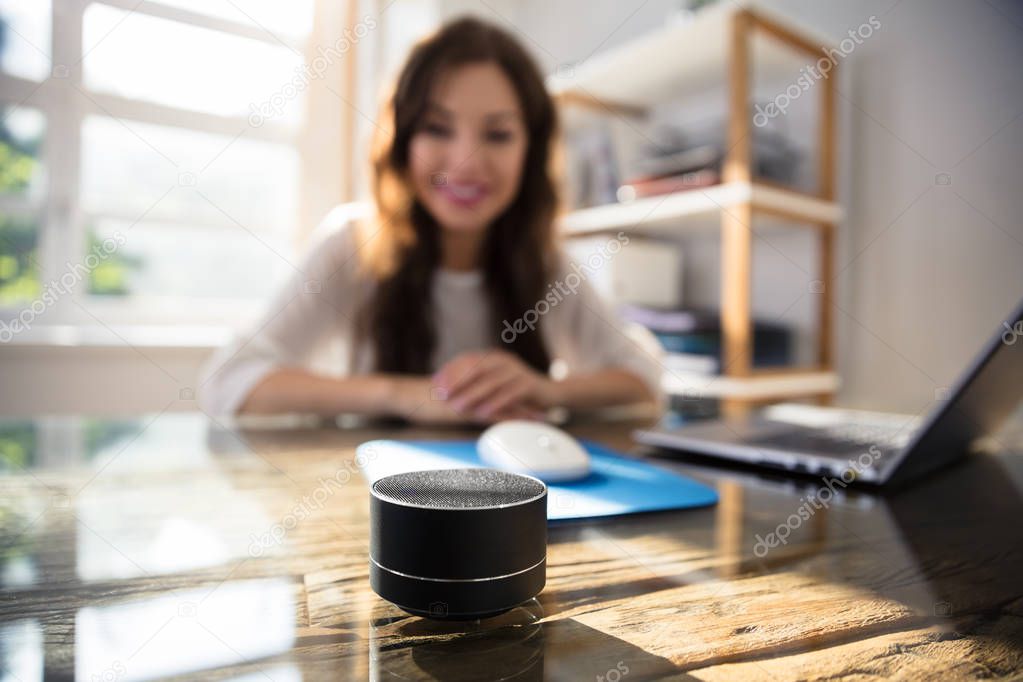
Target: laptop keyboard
(837, 441)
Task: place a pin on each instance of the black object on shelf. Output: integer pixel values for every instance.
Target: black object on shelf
(698, 332)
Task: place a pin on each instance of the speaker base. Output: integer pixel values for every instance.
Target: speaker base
(457, 599)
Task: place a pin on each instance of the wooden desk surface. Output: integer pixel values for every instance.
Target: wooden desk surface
(170, 546)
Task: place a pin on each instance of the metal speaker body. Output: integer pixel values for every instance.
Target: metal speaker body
(458, 544)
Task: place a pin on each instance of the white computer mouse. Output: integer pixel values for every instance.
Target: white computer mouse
(534, 448)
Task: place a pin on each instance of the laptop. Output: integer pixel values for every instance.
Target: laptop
(867, 447)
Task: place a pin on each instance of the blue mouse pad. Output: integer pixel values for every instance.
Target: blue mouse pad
(616, 485)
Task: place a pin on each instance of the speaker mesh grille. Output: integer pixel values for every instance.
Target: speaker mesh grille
(458, 488)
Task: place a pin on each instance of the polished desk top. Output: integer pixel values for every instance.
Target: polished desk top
(170, 546)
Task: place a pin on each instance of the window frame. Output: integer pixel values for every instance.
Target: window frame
(65, 106)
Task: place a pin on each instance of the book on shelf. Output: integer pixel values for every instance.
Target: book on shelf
(688, 334)
(672, 319)
(771, 345)
(650, 187)
(691, 363)
(707, 156)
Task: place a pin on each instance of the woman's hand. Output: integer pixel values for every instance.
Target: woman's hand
(420, 401)
(492, 384)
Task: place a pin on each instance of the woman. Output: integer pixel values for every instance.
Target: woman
(450, 304)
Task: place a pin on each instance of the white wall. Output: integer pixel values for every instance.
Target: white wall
(932, 268)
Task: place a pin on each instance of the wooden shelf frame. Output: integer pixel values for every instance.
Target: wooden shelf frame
(741, 196)
(736, 230)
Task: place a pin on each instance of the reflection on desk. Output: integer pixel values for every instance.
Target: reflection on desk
(172, 546)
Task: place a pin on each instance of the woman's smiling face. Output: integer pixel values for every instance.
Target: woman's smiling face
(467, 155)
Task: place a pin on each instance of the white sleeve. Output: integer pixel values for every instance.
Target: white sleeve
(318, 297)
(588, 335)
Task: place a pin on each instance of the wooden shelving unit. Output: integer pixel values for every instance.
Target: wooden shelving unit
(715, 45)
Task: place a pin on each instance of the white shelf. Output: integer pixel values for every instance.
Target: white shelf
(798, 383)
(693, 208)
(688, 56)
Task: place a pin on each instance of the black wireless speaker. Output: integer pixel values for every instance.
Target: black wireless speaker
(458, 544)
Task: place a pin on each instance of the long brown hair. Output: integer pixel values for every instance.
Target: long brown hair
(403, 247)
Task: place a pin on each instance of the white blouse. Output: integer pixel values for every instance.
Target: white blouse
(310, 324)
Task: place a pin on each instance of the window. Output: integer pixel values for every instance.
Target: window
(21, 192)
(151, 157)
